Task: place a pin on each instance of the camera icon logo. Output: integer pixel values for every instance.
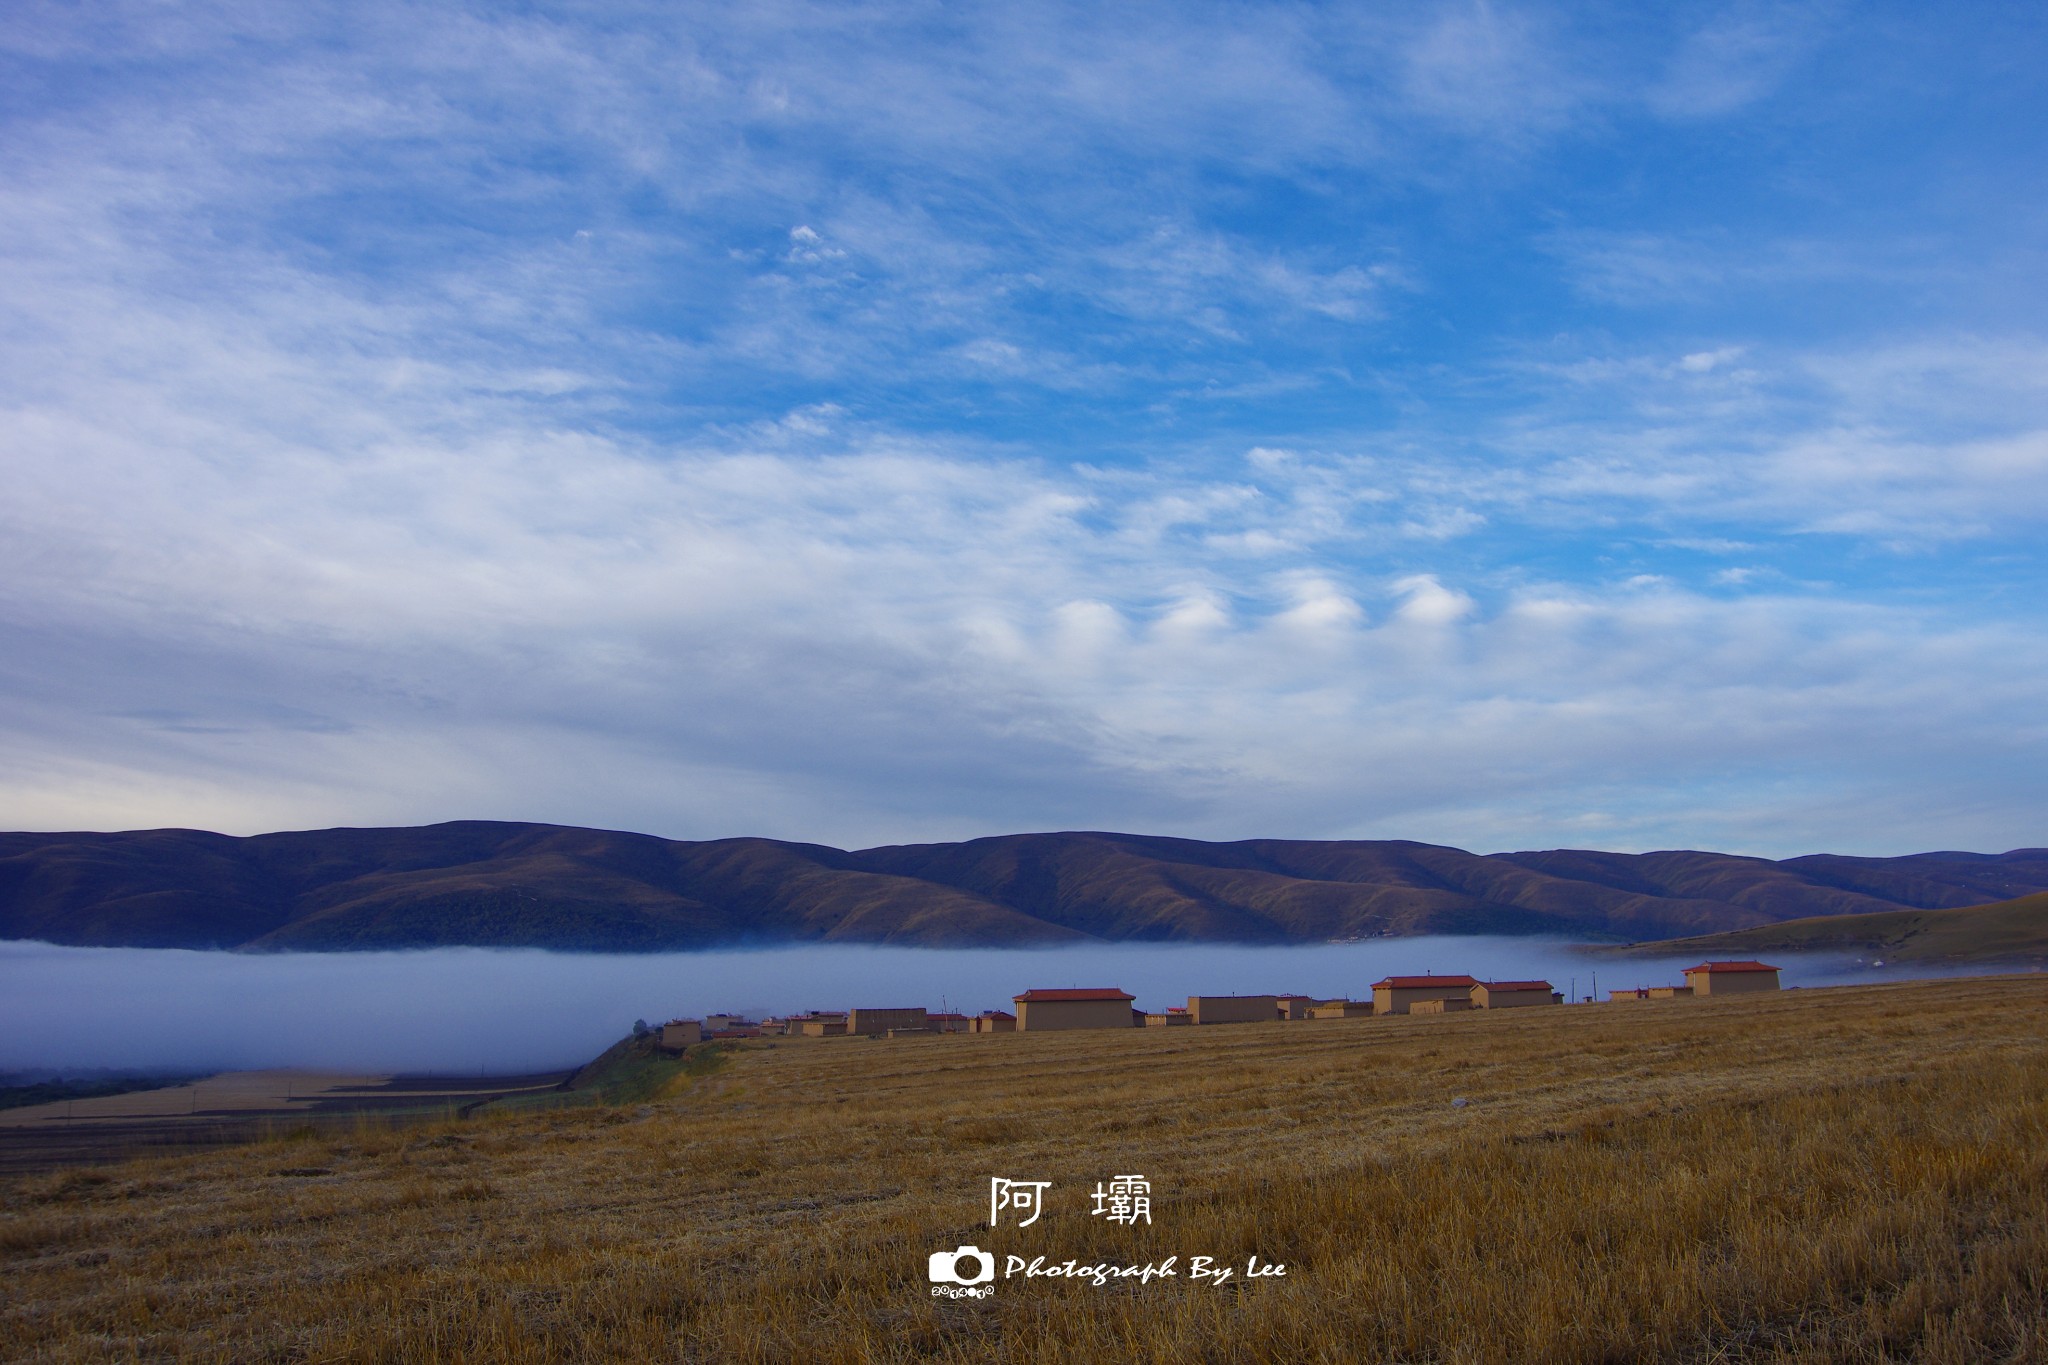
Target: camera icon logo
(967, 1265)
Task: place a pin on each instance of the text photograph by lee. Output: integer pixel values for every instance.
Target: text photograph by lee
(877, 682)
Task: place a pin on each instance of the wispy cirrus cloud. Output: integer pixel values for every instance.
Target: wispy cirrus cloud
(1742, 53)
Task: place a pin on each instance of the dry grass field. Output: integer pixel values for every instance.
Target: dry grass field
(235, 1107)
(1856, 1174)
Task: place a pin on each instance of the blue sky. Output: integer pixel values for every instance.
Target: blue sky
(1504, 425)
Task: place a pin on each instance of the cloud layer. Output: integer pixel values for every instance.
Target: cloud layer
(1486, 424)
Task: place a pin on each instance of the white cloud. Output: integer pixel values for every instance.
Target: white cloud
(1320, 607)
(650, 427)
(1938, 441)
(1486, 67)
(1703, 362)
(1745, 53)
(806, 247)
(1426, 602)
(1201, 615)
(594, 633)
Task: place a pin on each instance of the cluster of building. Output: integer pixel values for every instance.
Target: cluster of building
(1090, 1007)
(1709, 978)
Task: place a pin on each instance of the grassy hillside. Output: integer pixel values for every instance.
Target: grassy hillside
(637, 1069)
(1850, 1174)
(505, 885)
(2009, 931)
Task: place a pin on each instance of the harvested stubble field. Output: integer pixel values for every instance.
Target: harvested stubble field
(1851, 1174)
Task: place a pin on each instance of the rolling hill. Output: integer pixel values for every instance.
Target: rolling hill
(499, 884)
(2006, 931)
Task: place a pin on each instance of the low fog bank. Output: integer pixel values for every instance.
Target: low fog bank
(513, 1010)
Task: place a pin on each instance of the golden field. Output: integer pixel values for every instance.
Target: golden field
(1854, 1174)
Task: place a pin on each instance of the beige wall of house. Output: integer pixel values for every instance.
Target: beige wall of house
(1233, 1009)
(1054, 1011)
(1438, 1005)
(823, 1028)
(1295, 1006)
(1341, 1009)
(995, 1021)
(1486, 997)
(875, 1022)
(678, 1034)
(1168, 1019)
(1400, 999)
(1712, 979)
(1670, 992)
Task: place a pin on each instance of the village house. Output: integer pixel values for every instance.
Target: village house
(950, 1023)
(1440, 1004)
(1341, 1009)
(1171, 1015)
(995, 1021)
(1295, 1006)
(1399, 994)
(819, 1024)
(720, 1023)
(1233, 1009)
(1731, 978)
(876, 1022)
(678, 1034)
(1670, 992)
(1500, 995)
(1073, 1007)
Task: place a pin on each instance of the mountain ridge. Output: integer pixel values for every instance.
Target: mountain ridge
(516, 884)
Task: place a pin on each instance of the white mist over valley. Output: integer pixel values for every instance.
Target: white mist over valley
(513, 1010)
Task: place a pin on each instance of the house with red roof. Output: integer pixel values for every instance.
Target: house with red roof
(1074, 1007)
